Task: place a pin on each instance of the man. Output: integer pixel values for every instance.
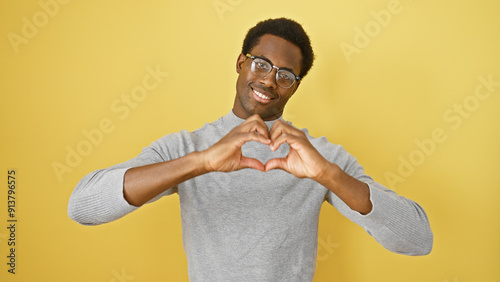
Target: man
(250, 184)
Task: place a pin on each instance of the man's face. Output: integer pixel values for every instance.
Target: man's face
(262, 95)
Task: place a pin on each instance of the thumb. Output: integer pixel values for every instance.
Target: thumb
(251, 163)
(279, 163)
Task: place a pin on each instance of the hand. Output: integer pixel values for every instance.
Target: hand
(226, 155)
(303, 160)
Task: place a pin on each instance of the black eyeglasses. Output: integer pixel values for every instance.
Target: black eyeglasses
(262, 67)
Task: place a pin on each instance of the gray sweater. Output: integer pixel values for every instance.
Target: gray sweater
(249, 225)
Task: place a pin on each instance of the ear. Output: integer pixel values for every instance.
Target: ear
(239, 62)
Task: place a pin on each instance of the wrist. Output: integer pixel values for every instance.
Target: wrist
(327, 177)
(202, 162)
(196, 160)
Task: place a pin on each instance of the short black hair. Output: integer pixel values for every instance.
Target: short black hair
(287, 29)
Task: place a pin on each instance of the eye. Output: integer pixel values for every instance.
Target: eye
(285, 75)
(261, 64)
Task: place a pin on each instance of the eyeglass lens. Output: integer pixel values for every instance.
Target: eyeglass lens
(262, 68)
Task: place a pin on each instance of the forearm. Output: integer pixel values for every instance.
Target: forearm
(397, 223)
(353, 192)
(143, 183)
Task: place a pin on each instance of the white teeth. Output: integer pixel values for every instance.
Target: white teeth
(261, 95)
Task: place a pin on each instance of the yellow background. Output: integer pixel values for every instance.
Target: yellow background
(378, 102)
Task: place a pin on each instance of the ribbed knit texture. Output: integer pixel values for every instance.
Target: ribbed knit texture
(249, 225)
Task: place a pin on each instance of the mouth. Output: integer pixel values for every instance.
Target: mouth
(261, 97)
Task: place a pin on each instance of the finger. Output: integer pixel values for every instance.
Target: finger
(292, 140)
(251, 136)
(280, 127)
(276, 130)
(261, 130)
(257, 125)
(251, 163)
(276, 143)
(279, 163)
(239, 136)
(254, 124)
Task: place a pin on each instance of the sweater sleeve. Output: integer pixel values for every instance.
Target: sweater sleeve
(98, 198)
(397, 223)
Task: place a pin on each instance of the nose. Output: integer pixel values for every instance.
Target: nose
(269, 80)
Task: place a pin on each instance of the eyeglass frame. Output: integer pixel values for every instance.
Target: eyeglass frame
(297, 78)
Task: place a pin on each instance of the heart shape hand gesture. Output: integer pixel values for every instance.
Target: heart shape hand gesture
(303, 160)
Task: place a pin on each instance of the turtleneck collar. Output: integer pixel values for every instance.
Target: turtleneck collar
(233, 120)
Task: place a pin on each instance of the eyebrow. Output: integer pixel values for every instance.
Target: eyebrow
(281, 68)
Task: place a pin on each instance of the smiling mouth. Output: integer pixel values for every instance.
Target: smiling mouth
(261, 96)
